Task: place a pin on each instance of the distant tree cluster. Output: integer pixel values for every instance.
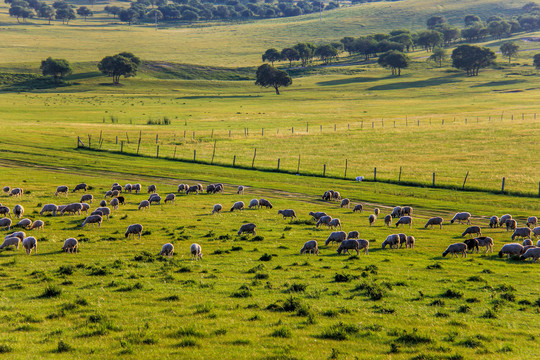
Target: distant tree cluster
(305, 53)
(60, 10)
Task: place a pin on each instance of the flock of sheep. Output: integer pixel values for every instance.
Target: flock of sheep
(346, 241)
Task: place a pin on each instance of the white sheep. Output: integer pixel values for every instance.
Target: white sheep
(5, 222)
(191, 189)
(532, 220)
(265, 203)
(472, 230)
(532, 252)
(406, 210)
(358, 207)
(145, 204)
(288, 213)
(239, 205)
(18, 211)
(527, 242)
(347, 245)
(85, 207)
(254, 203)
(151, 189)
(345, 203)
(155, 199)
(49, 208)
(248, 228)
(6, 189)
(70, 245)
(217, 209)
(437, 220)
(388, 220)
(337, 237)
(317, 215)
(108, 193)
(38, 224)
(127, 188)
(81, 186)
(170, 197)
(504, 218)
(4, 210)
(402, 239)
(136, 188)
(324, 220)
(310, 247)
(396, 212)
(511, 224)
(410, 242)
(372, 219)
(105, 210)
(196, 252)
(511, 249)
(30, 243)
(167, 250)
(461, 216)
(334, 223)
(485, 241)
(336, 195)
(114, 203)
(16, 192)
(240, 190)
(391, 241)
(353, 235)
(536, 231)
(11, 241)
(92, 219)
(62, 189)
(20, 234)
(117, 187)
(24, 223)
(457, 248)
(404, 220)
(494, 222)
(74, 208)
(103, 203)
(376, 211)
(182, 188)
(87, 198)
(134, 229)
(523, 232)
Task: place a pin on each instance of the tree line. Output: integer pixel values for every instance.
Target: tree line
(60, 10)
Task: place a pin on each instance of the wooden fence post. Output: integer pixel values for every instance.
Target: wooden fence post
(233, 160)
(89, 141)
(262, 132)
(399, 178)
(292, 129)
(184, 134)
(334, 127)
(298, 168)
(324, 170)
(464, 181)
(174, 155)
(433, 179)
(372, 124)
(418, 122)
(213, 152)
(361, 124)
(502, 187)
(78, 142)
(116, 139)
(100, 136)
(307, 127)
(194, 135)
(321, 127)
(374, 174)
(122, 146)
(194, 155)
(157, 137)
(278, 164)
(127, 137)
(346, 163)
(394, 123)
(157, 151)
(229, 133)
(253, 161)
(138, 145)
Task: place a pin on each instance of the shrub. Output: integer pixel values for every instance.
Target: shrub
(265, 257)
(339, 331)
(413, 338)
(144, 256)
(51, 291)
(188, 342)
(452, 294)
(63, 347)
(66, 269)
(489, 314)
(434, 266)
(282, 332)
(437, 302)
(508, 296)
(261, 276)
(344, 277)
(464, 309)
(297, 288)
(188, 331)
(5, 348)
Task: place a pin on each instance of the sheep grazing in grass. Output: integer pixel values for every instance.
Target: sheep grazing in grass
(239, 205)
(103, 203)
(532, 220)
(511, 249)
(20, 234)
(317, 215)
(121, 200)
(240, 190)
(460, 217)
(151, 189)
(353, 235)
(457, 248)
(391, 241)
(388, 220)
(74, 208)
(406, 210)
(81, 186)
(345, 203)
(471, 244)
(376, 211)
(336, 196)
(11, 241)
(200, 187)
(485, 241)
(536, 231)
(511, 224)
(217, 209)
(248, 228)
(254, 203)
(504, 218)
(410, 242)
(182, 188)
(105, 210)
(167, 250)
(70, 245)
(347, 245)
(265, 203)
(192, 189)
(155, 199)
(38, 224)
(136, 188)
(494, 222)
(97, 212)
(196, 252)
(170, 198)
(310, 247)
(49, 208)
(372, 219)
(62, 189)
(16, 192)
(404, 220)
(134, 229)
(527, 242)
(337, 237)
(287, 213)
(127, 188)
(396, 212)
(6, 189)
(87, 198)
(61, 208)
(85, 208)
(108, 194)
(402, 239)
(472, 230)
(18, 211)
(358, 207)
(533, 253)
(152, 196)
(324, 220)
(145, 204)
(92, 219)
(4, 210)
(218, 188)
(118, 188)
(115, 193)
(24, 223)
(523, 232)
(334, 223)
(210, 188)
(327, 195)
(30, 243)
(114, 203)
(434, 221)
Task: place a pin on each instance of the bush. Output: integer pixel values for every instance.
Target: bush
(413, 338)
(339, 331)
(145, 256)
(63, 347)
(489, 314)
(51, 291)
(265, 257)
(452, 294)
(344, 277)
(282, 332)
(66, 269)
(5, 348)
(434, 266)
(297, 288)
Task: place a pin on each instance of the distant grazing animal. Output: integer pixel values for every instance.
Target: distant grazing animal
(134, 229)
(87, 198)
(11, 241)
(461, 216)
(485, 241)
(196, 252)
(239, 205)
(494, 222)
(388, 220)
(265, 203)
(391, 241)
(240, 190)
(217, 209)
(434, 221)
(70, 245)
(151, 189)
(511, 249)
(504, 218)
(345, 203)
(92, 219)
(358, 207)
(337, 237)
(317, 215)
(170, 198)
(81, 186)
(310, 247)
(511, 224)
(404, 220)
(62, 189)
(523, 232)
(30, 243)
(287, 213)
(457, 248)
(136, 188)
(49, 208)
(254, 203)
(167, 250)
(248, 228)
(372, 219)
(532, 220)
(472, 230)
(18, 211)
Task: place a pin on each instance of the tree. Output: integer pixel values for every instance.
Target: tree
(290, 54)
(394, 60)
(189, 15)
(471, 58)
(429, 39)
(498, 28)
(128, 15)
(85, 12)
(509, 49)
(450, 33)
(65, 14)
(125, 64)
(471, 19)
(326, 53)
(58, 68)
(536, 61)
(438, 55)
(269, 76)
(47, 12)
(271, 55)
(305, 51)
(20, 10)
(435, 21)
(114, 10)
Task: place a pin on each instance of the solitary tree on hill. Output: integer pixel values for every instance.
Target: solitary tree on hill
(394, 60)
(438, 55)
(58, 68)
(271, 55)
(471, 58)
(123, 64)
(510, 50)
(269, 76)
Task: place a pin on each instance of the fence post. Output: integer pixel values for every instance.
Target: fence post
(361, 124)
(464, 181)
(433, 179)
(116, 139)
(502, 187)
(374, 174)
(292, 129)
(253, 161)
(442, 122)
(89, 141)
(213, 152)
(298, 168)
(127, 137)
(348, 126)
(78, 142)
(174, 155)
(307, 127)
(157, 151)
(212, 136)
(418, 122)
(184, 134)
(334, 127)
(278, 164)
(138, 145)
(194, 155)
(320, 127)
(346, 163)
(229, 133)
(233, 160)
(399, 178)
(372, 124)
(122, 146)
(394, 123)
(262, 132)
(465, 121)
(324, 170)
(157, 136)
(194, 135)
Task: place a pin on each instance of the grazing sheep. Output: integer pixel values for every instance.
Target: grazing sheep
(9, 241)
(155, 199)
(327, 196)
(196, 252)
(92, 219)
(103, 203)
(20, 234)
(511, 249)
(472, 230)
(410, 242)
(345, 203)
(336, 195)
(254, 203)
(145, 204)
(240, 190)
(532, 252)
(200, 187)
(61, 208)
(372, 219)
(527, 242)
(152, 196)
(336, 236)
(353, 235)
(62, 189)
(170, 197)
(402, 239)
(6, 189)
(317, 215)
(85, 208)
(16, 192)
(265, 203)
(167, 250)
(115, 184)
(461, 216)
(87, 198)
(396, 212)
(115, 193)
(38, 224)
(287, 213)
(532, 220)
(248, 228)
(136, 188)
(49, 208)
(97, 212)
(74, 208)
(108, 194)
(217, 209)
(376, 211)
(511, 224)
(358, 207)
(239, 205)
(347, 245)
(210, 188)
(192, 189)
(536, 231)
(324, 220)
(114, 203)
(406, 210)
(118, 188)
(404, 220)
(485, 241)
(310, 247)
(4, 210)
(392, 241)
(151, 189)
(471, 244)
(523, 232)
(457, 248)
(182, 188)
(494, 222)
(388, 220)
(24, 223)
(334, 223)
(218, 188)
(127, 188)
(105, 210)
(121, 200)
(30, 243)
(134, 229)
(434, 221)
(70, 245)
(504, 218)
(81, 186)
(18, 211)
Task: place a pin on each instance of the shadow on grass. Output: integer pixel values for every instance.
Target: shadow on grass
(195, 97)
(500, 83)
(347, 81)
(419, 84)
